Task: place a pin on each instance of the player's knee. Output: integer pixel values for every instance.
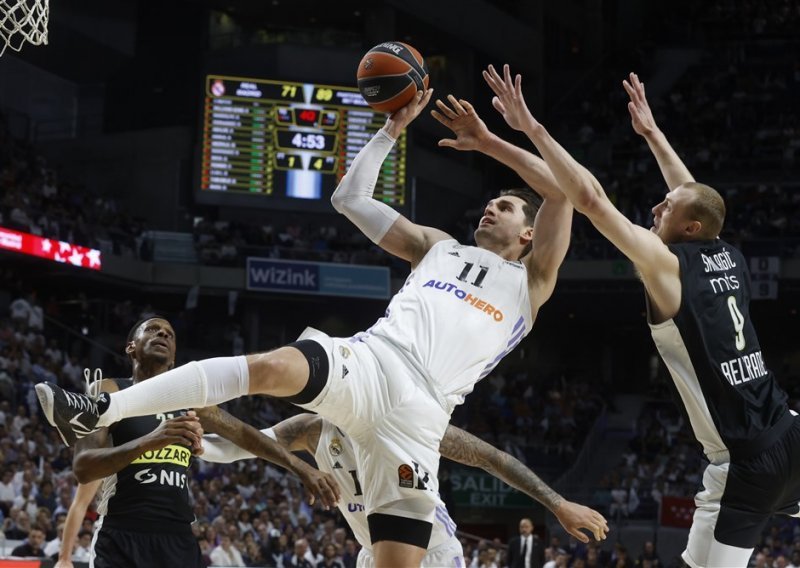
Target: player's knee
(271, 373)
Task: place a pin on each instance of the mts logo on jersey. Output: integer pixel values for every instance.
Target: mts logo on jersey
(460, 294)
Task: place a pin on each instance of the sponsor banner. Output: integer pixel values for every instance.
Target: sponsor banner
(677, 511)
(51, 249)
(473, 488)
(320, 278)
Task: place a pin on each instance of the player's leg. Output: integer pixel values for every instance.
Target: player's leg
(398, 541)
(447, 555)
(283, 372)
(399, 554)
(399, 458)
(732, 511)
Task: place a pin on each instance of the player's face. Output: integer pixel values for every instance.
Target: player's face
(503, 221)
(155, 340)
(671, 217)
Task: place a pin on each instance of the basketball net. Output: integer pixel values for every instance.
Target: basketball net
(23, 21)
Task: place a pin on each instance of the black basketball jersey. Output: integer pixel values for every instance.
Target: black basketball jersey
(151, 494)
(710, 347)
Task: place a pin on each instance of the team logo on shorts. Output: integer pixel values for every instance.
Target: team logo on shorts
(335, 447)
(406, 476)
(344, 351)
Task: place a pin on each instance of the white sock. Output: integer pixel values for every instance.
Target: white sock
(194, 385)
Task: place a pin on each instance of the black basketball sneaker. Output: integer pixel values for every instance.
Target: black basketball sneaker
(74, 415)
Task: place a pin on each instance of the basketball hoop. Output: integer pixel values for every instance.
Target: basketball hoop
(23, 21)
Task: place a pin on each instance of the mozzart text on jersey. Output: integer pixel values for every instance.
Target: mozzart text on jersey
(171, 454)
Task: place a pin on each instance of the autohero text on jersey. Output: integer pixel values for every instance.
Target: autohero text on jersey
(474, 301)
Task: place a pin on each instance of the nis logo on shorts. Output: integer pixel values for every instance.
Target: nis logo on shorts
(460, 294)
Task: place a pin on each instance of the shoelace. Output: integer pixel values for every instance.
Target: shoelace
(87, 402)
(93, 385)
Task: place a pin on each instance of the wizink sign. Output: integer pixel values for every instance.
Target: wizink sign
(319, 278)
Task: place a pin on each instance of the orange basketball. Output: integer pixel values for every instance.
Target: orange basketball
(390, 74)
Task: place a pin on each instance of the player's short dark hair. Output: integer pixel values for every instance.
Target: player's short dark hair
(708, 207)
(531, 199)
(138, 324)
(135, 328)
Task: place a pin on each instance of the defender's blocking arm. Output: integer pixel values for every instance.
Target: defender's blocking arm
(553, 221)
(644, 248)
(672, 167)
(462, 447)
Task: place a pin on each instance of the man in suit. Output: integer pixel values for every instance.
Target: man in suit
(525, 550)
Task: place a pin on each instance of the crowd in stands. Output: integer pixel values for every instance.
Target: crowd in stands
(738, 19)
(663, 458)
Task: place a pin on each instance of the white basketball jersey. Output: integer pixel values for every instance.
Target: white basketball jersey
(335, 455)
(457, 315)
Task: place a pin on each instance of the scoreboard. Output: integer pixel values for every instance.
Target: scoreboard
(288, 140)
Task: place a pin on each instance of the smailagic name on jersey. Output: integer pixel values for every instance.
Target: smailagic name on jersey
(459, 312)
(712, 352)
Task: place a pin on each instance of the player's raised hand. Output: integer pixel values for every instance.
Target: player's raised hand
(641, 116)
(461, 118)
(509, 100)
(402, 117)
(574, 517)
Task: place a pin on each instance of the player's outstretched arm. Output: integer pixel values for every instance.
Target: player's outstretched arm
(256, 443)
(77, 511)
(641, 246)
(672, 167)
(465, 448)
(554, 220)
(383, 225)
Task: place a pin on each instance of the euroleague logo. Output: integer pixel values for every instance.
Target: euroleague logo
(405, 475)
(368, 63)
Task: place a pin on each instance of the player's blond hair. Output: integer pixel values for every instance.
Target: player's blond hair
(708, 208)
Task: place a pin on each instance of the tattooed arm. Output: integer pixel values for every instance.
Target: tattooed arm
(214, 419)
(465, 448)
(300, 432)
